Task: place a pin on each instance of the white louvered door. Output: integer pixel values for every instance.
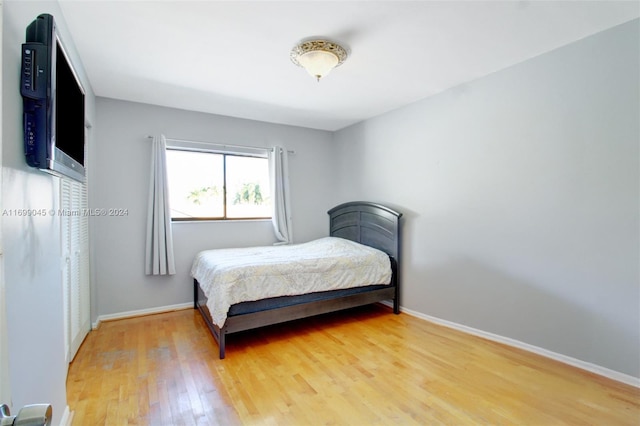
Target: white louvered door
(75, 255)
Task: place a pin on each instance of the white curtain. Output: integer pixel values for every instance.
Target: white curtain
(279, 175)
(159, 249)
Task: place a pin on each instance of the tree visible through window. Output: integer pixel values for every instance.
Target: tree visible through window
(206, 185)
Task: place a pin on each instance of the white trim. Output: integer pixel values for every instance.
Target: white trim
(216, 148)
(67, 417)
(593, 368)
(141, 312)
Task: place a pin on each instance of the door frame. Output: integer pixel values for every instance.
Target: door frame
(5, 388)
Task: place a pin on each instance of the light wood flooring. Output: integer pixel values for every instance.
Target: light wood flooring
(360, 367)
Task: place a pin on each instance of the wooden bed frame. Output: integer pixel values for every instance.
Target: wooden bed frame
(364, 222)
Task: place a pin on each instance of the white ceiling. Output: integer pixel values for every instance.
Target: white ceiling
(232, 57)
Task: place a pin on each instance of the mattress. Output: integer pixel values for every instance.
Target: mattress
(231, 276)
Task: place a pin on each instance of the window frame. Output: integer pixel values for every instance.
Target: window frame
(262, 153)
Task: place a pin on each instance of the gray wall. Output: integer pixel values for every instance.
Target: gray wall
(521, 198)
(119, 178)
(32, 244)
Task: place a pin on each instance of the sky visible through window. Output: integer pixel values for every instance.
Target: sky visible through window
(196, 181)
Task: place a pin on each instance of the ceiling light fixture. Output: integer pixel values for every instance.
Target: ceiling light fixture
(318, 56)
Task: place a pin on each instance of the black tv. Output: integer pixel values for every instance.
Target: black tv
(53, 103)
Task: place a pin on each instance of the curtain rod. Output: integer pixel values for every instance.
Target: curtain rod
(256, 148)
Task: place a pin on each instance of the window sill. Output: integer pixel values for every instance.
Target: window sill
(173, 222)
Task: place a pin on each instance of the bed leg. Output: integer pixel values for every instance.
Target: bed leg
(395, 280)
(221, 342)
(195, 294)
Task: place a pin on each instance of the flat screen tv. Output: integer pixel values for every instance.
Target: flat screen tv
(53, 102)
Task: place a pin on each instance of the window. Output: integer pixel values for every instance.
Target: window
(217, 186)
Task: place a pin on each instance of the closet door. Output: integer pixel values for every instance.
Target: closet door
(75, 254)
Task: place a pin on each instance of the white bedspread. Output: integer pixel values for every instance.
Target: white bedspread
(230, 276)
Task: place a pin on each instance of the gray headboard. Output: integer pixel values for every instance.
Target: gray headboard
(367, 223)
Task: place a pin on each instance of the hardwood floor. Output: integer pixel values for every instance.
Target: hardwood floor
(361, 367)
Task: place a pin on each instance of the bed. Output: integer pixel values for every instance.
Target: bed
(370, 225)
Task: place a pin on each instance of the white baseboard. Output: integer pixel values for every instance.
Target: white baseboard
(141, 312)
(67, 417)
(593, 368)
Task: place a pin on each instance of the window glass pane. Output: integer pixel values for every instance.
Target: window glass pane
(196, 182)
(248, 193)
